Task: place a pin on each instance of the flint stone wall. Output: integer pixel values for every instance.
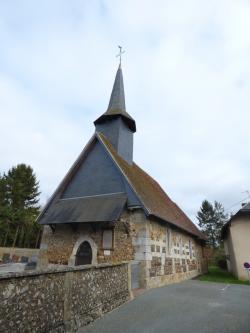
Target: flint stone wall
(61, 300)
(57, 246)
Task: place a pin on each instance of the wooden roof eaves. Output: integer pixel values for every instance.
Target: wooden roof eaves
(68, 176)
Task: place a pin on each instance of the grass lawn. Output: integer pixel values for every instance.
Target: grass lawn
(215, 274)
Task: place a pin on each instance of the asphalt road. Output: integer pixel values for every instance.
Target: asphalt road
(188, 307)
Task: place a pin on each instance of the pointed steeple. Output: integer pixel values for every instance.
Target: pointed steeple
(117, 98)
(116, 107)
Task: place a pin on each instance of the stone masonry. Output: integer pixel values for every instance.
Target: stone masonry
(174, 255)
(60, 300)
(163, 254)
(57, 246)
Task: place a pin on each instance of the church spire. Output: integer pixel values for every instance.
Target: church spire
(117, 98)
(117, 107)
(116, 124)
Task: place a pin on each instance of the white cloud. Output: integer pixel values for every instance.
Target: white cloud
(187, 81)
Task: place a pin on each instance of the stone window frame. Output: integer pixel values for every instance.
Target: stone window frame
(80, 240)
(113, 239)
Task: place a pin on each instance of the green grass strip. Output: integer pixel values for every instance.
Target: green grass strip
(215, 274)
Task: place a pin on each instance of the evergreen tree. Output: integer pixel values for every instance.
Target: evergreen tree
(220, 219)
(19, 206)
(211, 219)
(4, 212)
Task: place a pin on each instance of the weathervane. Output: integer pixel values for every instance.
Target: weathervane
(120, 53)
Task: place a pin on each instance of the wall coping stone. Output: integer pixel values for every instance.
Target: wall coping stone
(56, 270)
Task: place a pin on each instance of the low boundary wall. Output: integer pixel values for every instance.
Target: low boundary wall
(61, 300)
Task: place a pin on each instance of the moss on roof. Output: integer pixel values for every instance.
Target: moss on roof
(150, 193)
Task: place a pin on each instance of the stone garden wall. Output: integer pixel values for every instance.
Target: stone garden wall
(61, 300)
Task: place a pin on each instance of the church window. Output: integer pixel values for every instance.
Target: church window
(108, 239)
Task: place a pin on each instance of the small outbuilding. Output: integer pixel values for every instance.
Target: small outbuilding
(236, 236)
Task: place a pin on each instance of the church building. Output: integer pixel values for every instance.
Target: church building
(108, 210)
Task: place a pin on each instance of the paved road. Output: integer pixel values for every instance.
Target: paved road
(188, 307)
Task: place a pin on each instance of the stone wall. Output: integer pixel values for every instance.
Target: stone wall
(159, 253)
(175, 256)
(61, 300)
(57, 247)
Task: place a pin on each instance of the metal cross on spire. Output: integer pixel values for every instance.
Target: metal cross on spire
(120, 53)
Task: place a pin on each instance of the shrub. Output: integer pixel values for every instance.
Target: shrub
(222, 263)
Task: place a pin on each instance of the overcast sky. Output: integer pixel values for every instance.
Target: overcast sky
(187, 83)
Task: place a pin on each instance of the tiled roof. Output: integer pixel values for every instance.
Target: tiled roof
(149, 192)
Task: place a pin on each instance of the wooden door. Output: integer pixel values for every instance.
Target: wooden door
(84, 254)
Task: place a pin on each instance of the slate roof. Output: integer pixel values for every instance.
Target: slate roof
(117, 105)
(101, 208)
(153, 198)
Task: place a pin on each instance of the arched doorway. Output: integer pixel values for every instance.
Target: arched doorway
(84, 254)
